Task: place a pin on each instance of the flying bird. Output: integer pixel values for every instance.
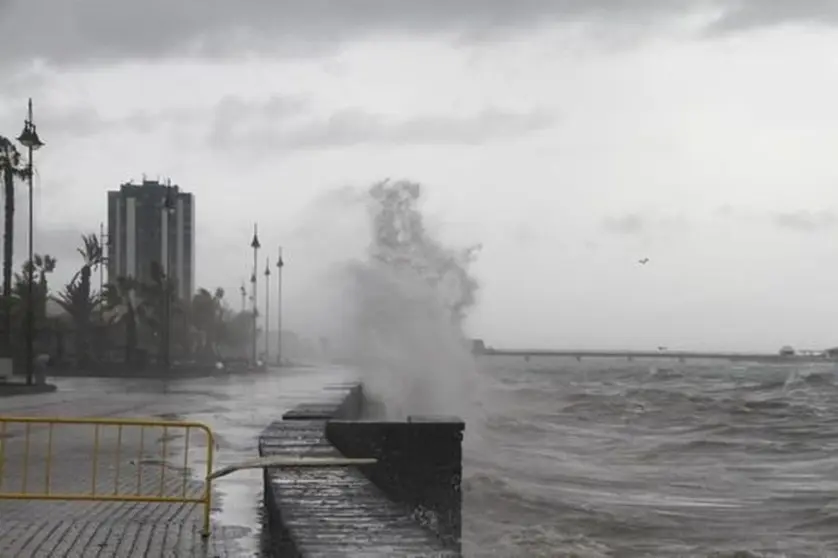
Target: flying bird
(644, 261)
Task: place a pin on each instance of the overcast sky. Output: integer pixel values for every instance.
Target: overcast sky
(570, 137)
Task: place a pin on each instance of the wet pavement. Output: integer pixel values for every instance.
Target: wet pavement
(237, 408)
(330, 512)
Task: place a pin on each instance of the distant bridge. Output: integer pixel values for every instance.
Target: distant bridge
(671, 355)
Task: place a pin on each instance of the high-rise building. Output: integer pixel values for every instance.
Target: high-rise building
(152, 223)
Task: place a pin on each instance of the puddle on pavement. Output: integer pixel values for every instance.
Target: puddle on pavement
(238, 413)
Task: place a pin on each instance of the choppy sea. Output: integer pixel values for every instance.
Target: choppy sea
(655, 459)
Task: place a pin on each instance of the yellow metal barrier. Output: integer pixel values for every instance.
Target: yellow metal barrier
(53, 431)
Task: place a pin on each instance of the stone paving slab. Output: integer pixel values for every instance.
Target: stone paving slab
(76, 536)
(334, 512)
(103, 529)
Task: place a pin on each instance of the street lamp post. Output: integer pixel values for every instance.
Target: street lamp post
(29, 139)
(279, 264)
(267, 308)
(255, 245)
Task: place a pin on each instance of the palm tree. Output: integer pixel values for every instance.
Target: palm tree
(208, 317)
(44, 265)
(78, 293)
(236, 331)
(120, 297)
(34, 272)
(11, 167)
(158, 306)
(92, 254)
(77, 300)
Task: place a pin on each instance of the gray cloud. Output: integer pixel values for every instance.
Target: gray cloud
(802, 220)
(84, 121)
(235, 119)
(735, 213)
(285, 122)
(631, 223)
(641, 222)
(805, 221)
(60, 242)
(352, 127)
(749, 14)
(227, 117)
(98, 31)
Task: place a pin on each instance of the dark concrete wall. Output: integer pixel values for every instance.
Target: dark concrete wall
(419, 465)
(352, 407)
(349, 408)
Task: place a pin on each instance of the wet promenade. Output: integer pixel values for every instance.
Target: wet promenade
(236, 408)
(328, 512)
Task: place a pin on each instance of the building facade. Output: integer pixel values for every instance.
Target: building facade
(152, 223)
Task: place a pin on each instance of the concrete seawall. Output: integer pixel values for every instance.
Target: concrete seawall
(408, 503)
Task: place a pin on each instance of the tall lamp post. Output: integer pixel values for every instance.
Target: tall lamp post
(29, 139)
(279, 265)
(255, 245)
(267, 308)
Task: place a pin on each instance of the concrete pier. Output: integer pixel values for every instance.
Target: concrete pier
(407, 504)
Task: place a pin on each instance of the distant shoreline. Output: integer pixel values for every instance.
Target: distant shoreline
(657, 355)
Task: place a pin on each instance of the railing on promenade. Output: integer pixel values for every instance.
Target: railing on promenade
(118, 463)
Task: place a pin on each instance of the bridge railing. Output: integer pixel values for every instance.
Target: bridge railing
(105, 460)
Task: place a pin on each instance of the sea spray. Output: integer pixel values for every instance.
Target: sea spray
(409, 296)
(396, 308)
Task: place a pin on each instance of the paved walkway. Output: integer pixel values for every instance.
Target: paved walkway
(334, 512)
(119, 529)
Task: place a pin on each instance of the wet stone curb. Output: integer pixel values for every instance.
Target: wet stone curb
(407, 504)
(16, 388)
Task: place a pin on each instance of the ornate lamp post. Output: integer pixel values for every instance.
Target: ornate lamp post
(267, 308)
(255, 245)
(279, 265)
(29, 139)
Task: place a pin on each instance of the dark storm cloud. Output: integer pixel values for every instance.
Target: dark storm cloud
(90, 31)
(749, 14)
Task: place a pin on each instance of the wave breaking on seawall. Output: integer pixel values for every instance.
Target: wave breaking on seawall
(394, 304)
